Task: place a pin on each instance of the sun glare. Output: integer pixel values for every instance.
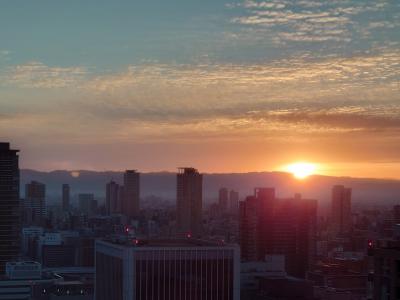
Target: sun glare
(75, 174)
(301, 170)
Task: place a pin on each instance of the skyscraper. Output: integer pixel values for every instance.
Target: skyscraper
(233, 201)
(294, 234)
(10, 218)
(256, 223)
(65, 197)
(87, 204)
(396, 214)
(35, 202)
(223, 199)
(271, 226)
(189, 198)
(341, 221)
(131, 203)
(249, 229)
(113, 204)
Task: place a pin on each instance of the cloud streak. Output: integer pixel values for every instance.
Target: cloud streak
(38, 75)
(311, 21)
(296, 97)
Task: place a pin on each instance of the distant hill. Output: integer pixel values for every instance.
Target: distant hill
(163, 184)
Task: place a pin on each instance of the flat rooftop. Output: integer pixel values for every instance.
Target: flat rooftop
(182, 242)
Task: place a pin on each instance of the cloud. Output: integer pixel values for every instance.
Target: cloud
(5, 55)
(365, 70)
(298, 96)
(312, 21)
(4, 52)
(383, 24)
(38, 75)
(264, 4)
(341, 118)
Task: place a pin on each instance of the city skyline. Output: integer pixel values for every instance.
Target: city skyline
(227, 86)
(208, 150)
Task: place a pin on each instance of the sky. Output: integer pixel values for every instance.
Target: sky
(224, 86)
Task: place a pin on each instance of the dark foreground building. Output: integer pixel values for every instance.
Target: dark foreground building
(10, 218)
(387, 270)
(166, 269)
(272, 226)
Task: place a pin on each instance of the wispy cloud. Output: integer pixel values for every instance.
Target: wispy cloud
(38, 75)
(5, 55)
(302, 96)
(313, 21)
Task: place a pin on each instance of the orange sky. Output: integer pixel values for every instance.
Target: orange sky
(224, 86)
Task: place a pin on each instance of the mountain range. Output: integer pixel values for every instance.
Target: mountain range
(163, 185)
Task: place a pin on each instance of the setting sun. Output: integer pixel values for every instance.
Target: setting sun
(301, 170)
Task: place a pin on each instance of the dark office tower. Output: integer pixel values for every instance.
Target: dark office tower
(267, 202)
(131, 194)
(287, 227)
(386, 275)
(294, 234)
(341, 210)
(65, 197)
(121, 199)
(223, 199)
(112, 198)
(256, 223)
(166, 270)
(86, 204)
(233, 201)
(35, 202)
(396, 214)
(189, 198)
(248, 228)
(10, 219)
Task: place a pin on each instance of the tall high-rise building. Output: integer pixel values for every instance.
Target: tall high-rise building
(113, 198)
(396, 214)
(249, 229)
(294, 234)
(271, 226)
(267, 201)
(256, 222)
(121, 199)
(35, 202)
(233, 201)
(10, 216)
(341, 220)
(189, 201)
(131, 203)
(166, 269)
(87, 204)
(223, 199)
(65, 197)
